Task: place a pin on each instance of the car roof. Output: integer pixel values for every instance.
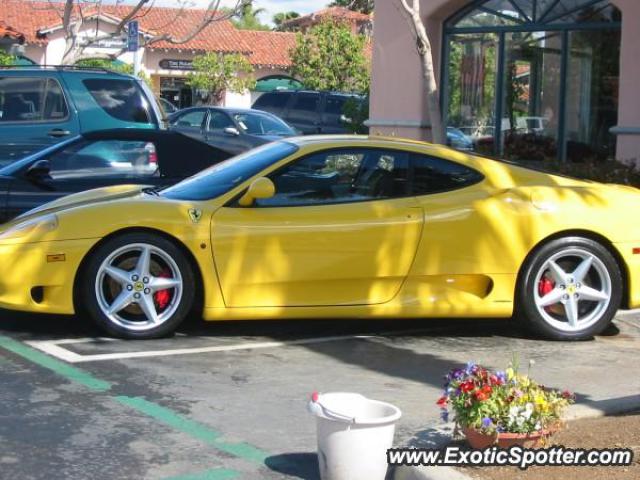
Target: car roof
(319, 92)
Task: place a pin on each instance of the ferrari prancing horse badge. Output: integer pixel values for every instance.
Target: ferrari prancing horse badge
(195, 214)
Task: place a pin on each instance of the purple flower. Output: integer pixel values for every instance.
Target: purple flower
(471, 367)
(486, 422)
(502, 376)
(444, 415)
(500, 429)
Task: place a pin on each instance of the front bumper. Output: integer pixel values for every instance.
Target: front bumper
(632, 262)
(39, 277)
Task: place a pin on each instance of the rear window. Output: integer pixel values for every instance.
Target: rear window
(27, 99)
(120, 98)
(272, 102)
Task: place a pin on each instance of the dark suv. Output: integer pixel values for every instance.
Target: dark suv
(308, 111)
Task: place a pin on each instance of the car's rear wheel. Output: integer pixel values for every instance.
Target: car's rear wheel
(138, 286)
(570, 289)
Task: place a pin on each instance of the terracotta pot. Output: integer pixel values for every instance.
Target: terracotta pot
(479, 440)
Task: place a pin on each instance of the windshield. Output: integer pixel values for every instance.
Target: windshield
(221, 178)
(261, 124)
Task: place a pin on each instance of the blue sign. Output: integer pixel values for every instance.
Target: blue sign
(133, 36)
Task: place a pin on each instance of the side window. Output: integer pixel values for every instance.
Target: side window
(273, 102)
(24, 99)
(433, 175)
(120, 98)
(334, 109)
(106, 158)
(219, 121)
(305, 107)
(190, 119)
(340, 176)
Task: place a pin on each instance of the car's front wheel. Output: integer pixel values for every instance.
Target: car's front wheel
(138, 286)
(570, 289)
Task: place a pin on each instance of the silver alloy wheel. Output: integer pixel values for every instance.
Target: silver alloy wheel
(128, 282)
(581, 290)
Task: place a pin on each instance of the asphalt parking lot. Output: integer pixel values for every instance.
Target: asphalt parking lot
(227, 400)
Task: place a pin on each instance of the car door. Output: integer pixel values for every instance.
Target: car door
(191, 122)
(34, 114)
(85, 166)
(340, 230)
(333, 115)
(219, 135)
(304, 113)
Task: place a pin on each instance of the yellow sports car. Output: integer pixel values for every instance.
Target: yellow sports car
(333, 227)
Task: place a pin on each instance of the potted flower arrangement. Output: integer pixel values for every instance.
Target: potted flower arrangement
(502, 407)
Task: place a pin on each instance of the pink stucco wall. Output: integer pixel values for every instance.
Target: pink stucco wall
(397, 89)
(628, 148)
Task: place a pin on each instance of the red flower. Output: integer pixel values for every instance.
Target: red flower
(481, 396)
(467, 387)
(487, 389)
(442, 402)
(493, 380)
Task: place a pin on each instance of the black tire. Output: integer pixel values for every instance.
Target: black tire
(527, 312)
(87, 298)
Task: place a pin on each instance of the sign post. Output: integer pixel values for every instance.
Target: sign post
(133, 43)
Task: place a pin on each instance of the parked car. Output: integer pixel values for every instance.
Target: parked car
(168, 107)
(331, 227)
(41, 106)
(308, 111)
(458, 140)
(97, 159)
(234, 130)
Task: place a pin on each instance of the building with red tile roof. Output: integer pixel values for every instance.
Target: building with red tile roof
(360, 23)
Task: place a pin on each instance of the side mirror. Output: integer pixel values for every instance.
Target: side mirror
(233, 131)
(260, 188)
(40, 170)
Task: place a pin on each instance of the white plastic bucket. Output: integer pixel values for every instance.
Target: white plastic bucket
(354, 434)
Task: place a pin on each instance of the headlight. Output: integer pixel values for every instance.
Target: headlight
(31, 228)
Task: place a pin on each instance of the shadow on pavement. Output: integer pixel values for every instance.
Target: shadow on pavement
(295, 465)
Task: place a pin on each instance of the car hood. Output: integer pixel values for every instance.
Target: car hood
(98, 195)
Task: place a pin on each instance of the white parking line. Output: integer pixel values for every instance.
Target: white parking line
(53, 348)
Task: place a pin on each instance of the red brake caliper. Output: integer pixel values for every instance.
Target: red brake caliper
(163, 297)
(545, 286)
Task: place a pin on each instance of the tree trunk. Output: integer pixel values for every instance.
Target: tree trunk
(424, 50)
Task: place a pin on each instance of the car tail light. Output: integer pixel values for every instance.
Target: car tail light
(152, 155)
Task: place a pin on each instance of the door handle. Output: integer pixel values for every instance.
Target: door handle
(58, 132)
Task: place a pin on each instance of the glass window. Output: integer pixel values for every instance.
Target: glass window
(592, 95)
(557, 81)
(273, 102)
(120, 98)
(531, 100)
(335, 105)
(220, 121)
(340, 176)
(472, 77)
(193, 119)
(105, 158)
(221, 178)
(24, 99)
(261, 124)
(433, 175)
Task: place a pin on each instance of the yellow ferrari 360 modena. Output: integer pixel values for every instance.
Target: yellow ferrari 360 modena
(333, 227)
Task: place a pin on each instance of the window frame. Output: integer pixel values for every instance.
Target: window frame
(64, 98)
(409, 192)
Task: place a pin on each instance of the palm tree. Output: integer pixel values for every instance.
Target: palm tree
(248, 18)
(282, 17)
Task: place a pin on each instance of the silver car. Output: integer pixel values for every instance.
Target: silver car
(231, 129)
